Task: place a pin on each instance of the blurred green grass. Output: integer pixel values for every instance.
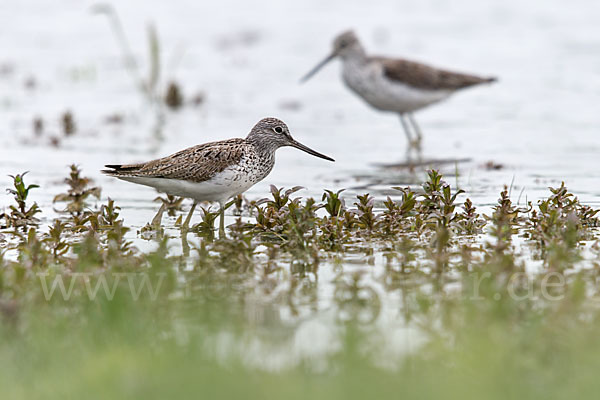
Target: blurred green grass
(164, 348)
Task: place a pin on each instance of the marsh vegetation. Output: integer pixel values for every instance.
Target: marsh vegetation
(302, 297)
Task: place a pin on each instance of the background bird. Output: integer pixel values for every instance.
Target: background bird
(394, 84)
(214, 171)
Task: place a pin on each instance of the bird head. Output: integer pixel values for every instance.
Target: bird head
(345, 45)
(272, 133)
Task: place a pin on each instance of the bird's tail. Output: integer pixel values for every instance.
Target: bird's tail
(120, 169)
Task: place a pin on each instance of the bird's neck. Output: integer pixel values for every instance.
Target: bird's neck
(354, 55)
(264, 147)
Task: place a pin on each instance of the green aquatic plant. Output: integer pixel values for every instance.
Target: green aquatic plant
(33, 254)
(334, 204)
(335, 232)
(271, 214)
(280, 199)
(558, 226)
(438, 203)
(300, 233)
(207, 226)
(505, 221)
(367, 220)
(555, 213)
(77, 197)
(113, 227)
(469, 222)
(336, 226)
(396, 215)
(55, 239)
(21, 215)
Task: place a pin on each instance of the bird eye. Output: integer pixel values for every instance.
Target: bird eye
(278, 129)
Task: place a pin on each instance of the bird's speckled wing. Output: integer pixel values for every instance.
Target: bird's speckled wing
(196, 164)
(425, 77)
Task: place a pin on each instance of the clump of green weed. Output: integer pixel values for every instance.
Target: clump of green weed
(469, 222)
(335, 227)
(397, 215)
(21, 215)
(207, 226)
(558, 225)
(77, 196)
(438, 203)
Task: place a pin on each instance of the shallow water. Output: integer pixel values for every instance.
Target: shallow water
(540, 122)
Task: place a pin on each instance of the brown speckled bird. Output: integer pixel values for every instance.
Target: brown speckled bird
(215, 171)
(394, 84)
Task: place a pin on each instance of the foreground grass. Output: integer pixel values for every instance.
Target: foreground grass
(122, 349)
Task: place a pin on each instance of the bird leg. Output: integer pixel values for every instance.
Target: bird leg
(222, 221)
(417, 130)
(412, 143)
(186, 223)
(157, 220)
(406, 129)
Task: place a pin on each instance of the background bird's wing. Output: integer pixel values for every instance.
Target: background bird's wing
(425, 77)
(196, 164)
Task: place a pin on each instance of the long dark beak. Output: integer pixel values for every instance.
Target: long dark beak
(317, 67)
(302, 147)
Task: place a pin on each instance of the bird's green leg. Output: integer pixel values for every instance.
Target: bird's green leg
(417, 130)
(222, 221)
(186, 224)
(406, 130)
(157, 220)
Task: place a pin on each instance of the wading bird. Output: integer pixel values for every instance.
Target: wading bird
(394, 84)
(214, 171)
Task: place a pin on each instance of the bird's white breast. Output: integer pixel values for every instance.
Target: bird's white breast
(368, 81)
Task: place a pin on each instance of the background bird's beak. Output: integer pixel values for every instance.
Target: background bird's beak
(317, 67)
(302, 147)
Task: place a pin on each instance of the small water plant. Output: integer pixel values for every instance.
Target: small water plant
(21, 214)
(77, 195)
